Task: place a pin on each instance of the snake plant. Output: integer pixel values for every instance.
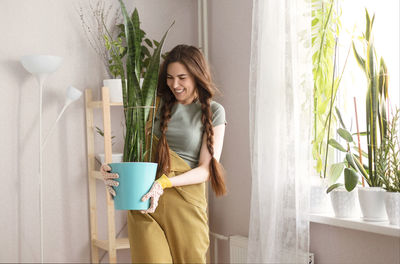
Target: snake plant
(138, 99)
(377, 95)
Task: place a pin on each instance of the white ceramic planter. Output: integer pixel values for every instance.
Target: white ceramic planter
(115, 88)
(116, 157)
(319, 200)
(344, 203)
(392, 204)
(372, 203)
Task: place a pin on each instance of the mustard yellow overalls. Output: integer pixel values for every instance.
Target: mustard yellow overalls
(177, 232)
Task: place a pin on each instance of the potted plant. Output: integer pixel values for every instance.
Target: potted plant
(343, 196)
(136, 174)
(101, 27)
(372, 198)
(324, 28)
(388, 169)
(116, 157)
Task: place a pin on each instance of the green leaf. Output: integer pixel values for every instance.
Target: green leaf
(336, 145)
(346, 135)
(148, 42)
(340, 117)
(350, 179)
(335, 171)
(151, 76)
(333, 186)
(349, 159)
(361, 169)
(359, 59)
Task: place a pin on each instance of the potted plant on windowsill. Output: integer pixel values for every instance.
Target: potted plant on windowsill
(344, 196)
(388, 168)
(136, 174)
(325, 29)
(372, 198)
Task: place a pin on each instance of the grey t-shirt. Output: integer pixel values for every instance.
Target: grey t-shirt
(185, 129)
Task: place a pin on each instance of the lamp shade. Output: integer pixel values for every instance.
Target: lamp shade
(41, 64)
(72, 95)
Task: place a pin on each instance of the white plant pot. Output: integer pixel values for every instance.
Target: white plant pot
(372, 203)
(392, 204)
(319, 200)
(116, 157)
(344, 203)
(115, 88)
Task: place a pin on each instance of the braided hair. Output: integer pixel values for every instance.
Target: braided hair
(192, 58)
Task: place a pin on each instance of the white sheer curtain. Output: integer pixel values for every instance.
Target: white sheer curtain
(280, 128)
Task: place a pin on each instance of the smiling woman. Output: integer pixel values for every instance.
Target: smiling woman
(189, 130)
(181, 83)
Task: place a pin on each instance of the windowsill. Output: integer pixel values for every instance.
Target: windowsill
(382, 228)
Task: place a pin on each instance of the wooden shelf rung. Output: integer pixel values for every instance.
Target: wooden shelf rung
(120, 243)
(99, 104)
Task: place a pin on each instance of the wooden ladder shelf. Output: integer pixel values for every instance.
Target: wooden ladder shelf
(112, 244)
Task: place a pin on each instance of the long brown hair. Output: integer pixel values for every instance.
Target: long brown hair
(192, 58)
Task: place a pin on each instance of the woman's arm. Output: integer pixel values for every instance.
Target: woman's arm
(201, 172)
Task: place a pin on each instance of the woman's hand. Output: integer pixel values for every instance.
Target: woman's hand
(156, 190)
(108, 178)
(155, 193)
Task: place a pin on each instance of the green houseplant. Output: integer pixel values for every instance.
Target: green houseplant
(325, 30)
(376, 124)
(100, 25)
(136, 175)
(325, 26)
(343, 198)
(388, 169)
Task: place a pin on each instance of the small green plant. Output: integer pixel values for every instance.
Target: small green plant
(101, 133)
(99, 22)
(348, 164)
(388, 162)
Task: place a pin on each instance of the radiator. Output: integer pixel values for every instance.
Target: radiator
(238, 249)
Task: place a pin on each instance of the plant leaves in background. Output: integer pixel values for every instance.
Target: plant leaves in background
(346, 135)
(339, 115)
(333, 186)
(335, 171)
(350, 179)
(336, 145)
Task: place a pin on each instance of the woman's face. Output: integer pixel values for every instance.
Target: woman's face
(181, 83)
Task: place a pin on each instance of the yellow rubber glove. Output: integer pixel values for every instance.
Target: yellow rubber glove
(155, 193)
(164, 181)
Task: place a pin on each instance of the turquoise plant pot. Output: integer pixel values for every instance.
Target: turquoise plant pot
(135, 180)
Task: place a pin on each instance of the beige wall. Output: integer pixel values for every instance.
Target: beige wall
(340, 245)
(53, 27)
(230, 36)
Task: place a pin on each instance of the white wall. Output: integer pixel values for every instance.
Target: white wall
(230, 36)
(53, 27)
(340, 245)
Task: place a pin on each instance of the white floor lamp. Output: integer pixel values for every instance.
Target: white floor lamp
(41, 66)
